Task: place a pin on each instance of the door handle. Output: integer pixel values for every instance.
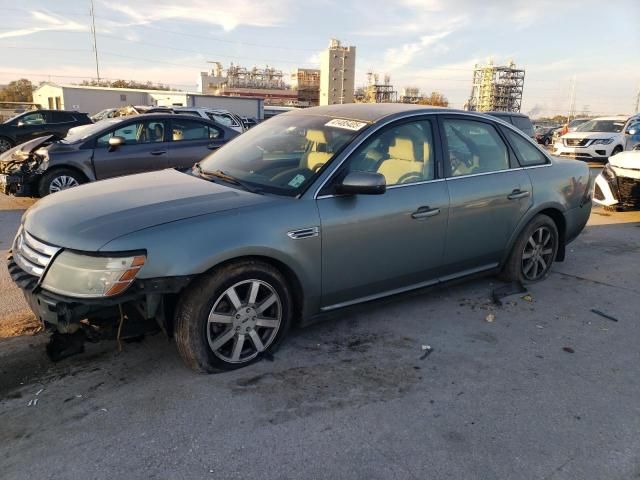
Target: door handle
(517, 194)
(213, 146)
(158, 152)
(424, 212)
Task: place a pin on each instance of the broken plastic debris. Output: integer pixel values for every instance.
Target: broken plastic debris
(568, 349)
(426, 351)
(604, 315)
(528, 298)
(35, 402)
(513, 288)
(104, 409)
(539, 326)
(30, 403)
(39, 391)
(490, 318)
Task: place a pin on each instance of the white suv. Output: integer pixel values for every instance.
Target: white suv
(597, 139)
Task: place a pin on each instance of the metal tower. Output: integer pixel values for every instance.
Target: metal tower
(496, 88)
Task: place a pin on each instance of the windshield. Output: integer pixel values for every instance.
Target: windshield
(282, 155)
(79, 134)
(612, 126)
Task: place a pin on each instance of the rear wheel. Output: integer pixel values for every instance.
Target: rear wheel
(5, 144)
(59, 179)
(533, 252)
(229, 318)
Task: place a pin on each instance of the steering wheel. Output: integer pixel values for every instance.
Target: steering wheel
(409, 177)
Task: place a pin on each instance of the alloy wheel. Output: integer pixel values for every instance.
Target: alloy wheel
(244, 321)
(538, 253)
(62, 183)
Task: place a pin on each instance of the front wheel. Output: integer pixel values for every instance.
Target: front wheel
(533, 252)
(5, 144)
(59, 179)
(229, 318)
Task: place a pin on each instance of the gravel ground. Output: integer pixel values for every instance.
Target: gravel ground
(547, 390)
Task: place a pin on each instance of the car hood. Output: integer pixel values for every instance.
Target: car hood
(629, 160)
(591, 135)
(22, 151)
(87, 217)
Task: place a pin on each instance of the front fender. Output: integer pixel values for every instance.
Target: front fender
(196, 245)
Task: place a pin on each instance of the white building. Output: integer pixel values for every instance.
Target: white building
(337, 74)
(93, 99)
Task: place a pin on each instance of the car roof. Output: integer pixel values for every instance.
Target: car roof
(366, 112)
(620, 118)
(499, 113)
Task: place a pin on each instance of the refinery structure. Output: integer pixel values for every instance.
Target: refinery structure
(337, 74)
(496, 88)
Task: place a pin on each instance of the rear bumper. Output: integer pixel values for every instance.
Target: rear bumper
(59, 311)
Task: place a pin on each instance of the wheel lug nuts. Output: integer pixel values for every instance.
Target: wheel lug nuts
(238, 315)
(248, 329)
(248, 310)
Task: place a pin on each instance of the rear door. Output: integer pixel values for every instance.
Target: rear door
(488, 192)
(145, 149)
(191, 140)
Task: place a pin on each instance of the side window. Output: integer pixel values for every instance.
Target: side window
(221, 119)
(523, 124)
(61, 117)
(193, 130)
(474, 147)
(151, 131)
(528, 154)
(402, 153)
(34, 119)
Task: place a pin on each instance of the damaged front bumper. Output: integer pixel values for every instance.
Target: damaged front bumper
(618, 189)
(145, 297)
(19, 183)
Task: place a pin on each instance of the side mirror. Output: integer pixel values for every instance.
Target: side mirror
(115, 142)
(362, 183)
(20, 123)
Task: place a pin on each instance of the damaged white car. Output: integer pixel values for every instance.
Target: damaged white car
(618, 185)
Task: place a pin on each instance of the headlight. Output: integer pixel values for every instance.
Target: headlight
(87, 276)
(602, 141)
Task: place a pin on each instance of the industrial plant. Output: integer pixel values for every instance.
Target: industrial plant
(496, 88)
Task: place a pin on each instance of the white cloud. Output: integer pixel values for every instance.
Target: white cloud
(45, 22)
(403, 55)
(228, 15)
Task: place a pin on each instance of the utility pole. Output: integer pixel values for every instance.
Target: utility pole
(572, 99)
(93, 35)
(637, 101)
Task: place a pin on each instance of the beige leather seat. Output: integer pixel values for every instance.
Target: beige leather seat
(402, 164)
(317, 154)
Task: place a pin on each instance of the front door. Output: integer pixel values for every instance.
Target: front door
(145, 149)
(191, 141)
(488, 196)
(378, 244)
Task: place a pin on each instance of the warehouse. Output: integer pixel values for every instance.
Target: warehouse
(93, 99)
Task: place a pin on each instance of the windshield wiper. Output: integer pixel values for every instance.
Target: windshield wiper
(227, 178)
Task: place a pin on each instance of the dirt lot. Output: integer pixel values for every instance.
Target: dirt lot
(547, 390)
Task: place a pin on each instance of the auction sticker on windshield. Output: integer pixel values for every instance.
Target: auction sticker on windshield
(346, 124)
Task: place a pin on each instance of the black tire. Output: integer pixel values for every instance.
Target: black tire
(6, 144)
(515, 270)
(196, 336)
(49, 179)
(547, 142)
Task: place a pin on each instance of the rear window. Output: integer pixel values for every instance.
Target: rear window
(61, 117)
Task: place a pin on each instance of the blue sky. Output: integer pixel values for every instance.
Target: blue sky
(430, 44)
